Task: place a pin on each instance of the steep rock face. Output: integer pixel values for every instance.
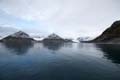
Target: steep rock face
(112, 34)
(53, 38)
(18, 37)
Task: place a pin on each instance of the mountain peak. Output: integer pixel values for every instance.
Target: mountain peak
(20, 34)
(18, 37)
(53, 36)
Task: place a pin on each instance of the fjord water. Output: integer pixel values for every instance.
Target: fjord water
(70, 61)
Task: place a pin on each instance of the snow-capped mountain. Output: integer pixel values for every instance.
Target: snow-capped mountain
(84, 39)
(20, 34)
(68, 40)
(53, 36)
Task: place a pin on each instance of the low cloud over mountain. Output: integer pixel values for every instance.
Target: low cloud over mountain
(65, 17)
(5, 30)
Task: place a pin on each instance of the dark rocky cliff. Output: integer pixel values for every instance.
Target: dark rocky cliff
(110, 35)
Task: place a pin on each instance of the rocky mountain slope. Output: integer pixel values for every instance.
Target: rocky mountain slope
(18, 37)
(110, 35)
(53, 38)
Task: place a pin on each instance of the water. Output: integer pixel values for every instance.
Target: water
(71, 61)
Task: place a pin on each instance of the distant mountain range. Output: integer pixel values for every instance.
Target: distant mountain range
(110, 35)
(21, 36)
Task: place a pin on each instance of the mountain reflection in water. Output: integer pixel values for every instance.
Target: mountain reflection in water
(72, 61)
(53, 46)
(18, 48)
(111, 51)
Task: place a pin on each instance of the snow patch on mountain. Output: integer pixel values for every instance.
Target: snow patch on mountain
(20, 34)
(53, 36)
(38, 38)
(85, 38)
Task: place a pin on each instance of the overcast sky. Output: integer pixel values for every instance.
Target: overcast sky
(68, 18)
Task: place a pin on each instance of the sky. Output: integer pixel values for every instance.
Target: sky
(67, 18)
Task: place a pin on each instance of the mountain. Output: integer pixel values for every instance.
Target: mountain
(18, 37)
(81, 39)
(53, 38)
(110, 35)
(0, 38)
(68, 40)
(20, 34)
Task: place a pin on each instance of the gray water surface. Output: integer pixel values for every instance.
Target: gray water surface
(70, 61)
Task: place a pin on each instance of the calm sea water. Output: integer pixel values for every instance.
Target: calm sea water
(70, 61)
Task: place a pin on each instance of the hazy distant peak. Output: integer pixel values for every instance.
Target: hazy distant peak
(54, 36)
(87, 38)
(20, 34)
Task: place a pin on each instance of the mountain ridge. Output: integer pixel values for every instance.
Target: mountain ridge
(19, 36)
(110, 35)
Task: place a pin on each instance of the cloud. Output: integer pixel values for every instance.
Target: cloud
(7, 30)
(65, 17)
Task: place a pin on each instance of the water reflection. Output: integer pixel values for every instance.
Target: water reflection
(18, 48)
(68, 45)
(70, 62)
(52, 46)
(111, 51)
